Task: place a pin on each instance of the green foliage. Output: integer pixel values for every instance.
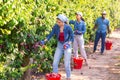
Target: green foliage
(24, 22)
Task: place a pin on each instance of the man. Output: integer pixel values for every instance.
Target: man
(102, 25)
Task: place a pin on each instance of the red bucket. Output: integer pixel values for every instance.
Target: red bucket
(53, 76)
(78, 62)
(108, 45)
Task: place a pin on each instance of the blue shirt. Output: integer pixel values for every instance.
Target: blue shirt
(80, 26)
(102, 24)
(68, 33)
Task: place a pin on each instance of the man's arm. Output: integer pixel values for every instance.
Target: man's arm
(95, 27)
(108, 27)
(109, 30)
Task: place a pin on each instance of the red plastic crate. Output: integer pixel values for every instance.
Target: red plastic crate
(53, 76)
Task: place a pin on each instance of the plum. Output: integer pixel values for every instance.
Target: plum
(28, 35)
(1, 46)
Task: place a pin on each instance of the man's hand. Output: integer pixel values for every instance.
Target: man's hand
(109, 31)
(95, 27)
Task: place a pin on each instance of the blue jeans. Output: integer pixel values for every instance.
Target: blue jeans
(67, 58)
(97, 37)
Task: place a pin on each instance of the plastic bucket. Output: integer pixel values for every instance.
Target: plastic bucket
(78, 62)
(108, 45)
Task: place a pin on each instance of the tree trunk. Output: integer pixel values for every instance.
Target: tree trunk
(27, 74)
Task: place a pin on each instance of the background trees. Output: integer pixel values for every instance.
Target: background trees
(24, 22)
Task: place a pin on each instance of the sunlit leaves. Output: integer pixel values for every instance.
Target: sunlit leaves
(24, 22)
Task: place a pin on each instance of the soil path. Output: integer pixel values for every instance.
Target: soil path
(101, 67)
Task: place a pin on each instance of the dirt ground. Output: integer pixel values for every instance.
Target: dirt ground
(101, 67)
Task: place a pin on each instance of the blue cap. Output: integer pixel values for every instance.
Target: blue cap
(62, 17)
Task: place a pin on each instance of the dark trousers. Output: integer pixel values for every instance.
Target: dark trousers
(97, 38)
